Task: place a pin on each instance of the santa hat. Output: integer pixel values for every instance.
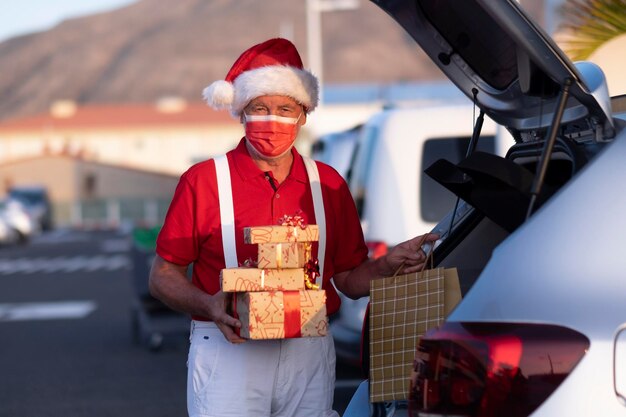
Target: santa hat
(273, 67)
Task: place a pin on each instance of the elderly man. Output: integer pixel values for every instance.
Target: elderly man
(257, 183)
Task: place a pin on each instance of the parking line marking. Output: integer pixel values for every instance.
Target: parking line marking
(46, 310)
(64, 264)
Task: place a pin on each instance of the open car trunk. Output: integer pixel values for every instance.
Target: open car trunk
(558, 112)
(495, 196)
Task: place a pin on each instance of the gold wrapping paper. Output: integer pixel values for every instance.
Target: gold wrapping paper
(258, 279)
(284, 255)
(281, 234)
(262, 314)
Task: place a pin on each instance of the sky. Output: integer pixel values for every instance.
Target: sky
(19, 17)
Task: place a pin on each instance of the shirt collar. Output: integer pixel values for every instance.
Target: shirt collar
(247, 169)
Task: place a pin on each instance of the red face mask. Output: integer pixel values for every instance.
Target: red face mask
(272, 136)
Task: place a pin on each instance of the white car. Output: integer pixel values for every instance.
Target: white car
(36, 201)
(8, 235)
(337, 150)
(538, 236)
(18, 218)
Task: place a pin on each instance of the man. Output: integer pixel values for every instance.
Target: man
(260, 181)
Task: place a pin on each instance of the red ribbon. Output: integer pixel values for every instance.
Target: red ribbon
(291, 305)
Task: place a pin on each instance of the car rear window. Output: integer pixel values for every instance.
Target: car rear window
(29, 196)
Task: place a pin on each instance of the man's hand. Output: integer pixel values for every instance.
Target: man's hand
(217, 307)
(404, 258)
(169, 283)
(408, 255)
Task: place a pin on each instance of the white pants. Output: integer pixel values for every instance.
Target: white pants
(277, 378)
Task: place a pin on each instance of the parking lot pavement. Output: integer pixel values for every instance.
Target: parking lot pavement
(67, 343)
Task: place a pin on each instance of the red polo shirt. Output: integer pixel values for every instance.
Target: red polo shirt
(192, 232)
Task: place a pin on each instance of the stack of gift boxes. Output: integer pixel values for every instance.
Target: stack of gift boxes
(278, 299)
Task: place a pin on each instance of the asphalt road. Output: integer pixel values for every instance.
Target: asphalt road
(67, 345)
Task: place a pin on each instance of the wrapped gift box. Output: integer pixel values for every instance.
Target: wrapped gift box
(258, 279)
(281, 314)
(284, 255)
(281, 234)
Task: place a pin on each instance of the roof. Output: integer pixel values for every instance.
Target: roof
(77, 159)
(69, 116)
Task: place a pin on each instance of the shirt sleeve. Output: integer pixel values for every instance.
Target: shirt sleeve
(176, 242)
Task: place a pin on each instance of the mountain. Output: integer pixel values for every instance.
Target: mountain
(153, 49)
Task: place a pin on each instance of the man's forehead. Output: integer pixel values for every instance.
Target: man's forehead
(274, 100)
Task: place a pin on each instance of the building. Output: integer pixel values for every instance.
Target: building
(104, 165)
(167, 137)
(92, 194)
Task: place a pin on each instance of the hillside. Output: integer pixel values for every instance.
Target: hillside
(154, 48)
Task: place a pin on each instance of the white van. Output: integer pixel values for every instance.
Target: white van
(337, 149)
(396, 200)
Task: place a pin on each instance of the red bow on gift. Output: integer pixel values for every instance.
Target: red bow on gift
(311, 272)
(293, 221)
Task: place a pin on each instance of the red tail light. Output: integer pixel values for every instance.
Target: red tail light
(376, 249)
(491, 369)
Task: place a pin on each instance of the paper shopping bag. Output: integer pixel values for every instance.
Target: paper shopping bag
(403, 308)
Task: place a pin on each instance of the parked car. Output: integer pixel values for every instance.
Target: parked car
(8, 235)
(36, 201)
(337, 149)
(395, 199)
(540, 330)
(18, 218)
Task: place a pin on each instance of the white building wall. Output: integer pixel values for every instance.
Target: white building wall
(168, 150)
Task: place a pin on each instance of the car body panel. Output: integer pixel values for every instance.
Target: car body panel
(18, 217)
(8, 234)
(594, 397)
(337, 149)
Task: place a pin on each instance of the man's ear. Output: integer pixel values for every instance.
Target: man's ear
(302, 120)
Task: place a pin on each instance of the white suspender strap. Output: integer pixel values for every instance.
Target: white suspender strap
(227, 214)
(320, 215)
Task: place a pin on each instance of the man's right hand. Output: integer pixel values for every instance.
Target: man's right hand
(217, 306)
(169, 283)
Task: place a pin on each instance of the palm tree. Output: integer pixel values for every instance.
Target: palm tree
(589, 24)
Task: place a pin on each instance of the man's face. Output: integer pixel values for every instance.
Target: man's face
(276, 105)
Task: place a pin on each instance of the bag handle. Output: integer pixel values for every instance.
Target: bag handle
(429, 256)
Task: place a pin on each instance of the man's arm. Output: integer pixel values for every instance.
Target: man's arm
(355, 283)
(169, 283)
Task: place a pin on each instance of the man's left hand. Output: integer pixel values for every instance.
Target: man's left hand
(409, 255)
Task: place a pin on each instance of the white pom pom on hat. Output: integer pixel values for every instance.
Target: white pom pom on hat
(273, 67)
(219, 94)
